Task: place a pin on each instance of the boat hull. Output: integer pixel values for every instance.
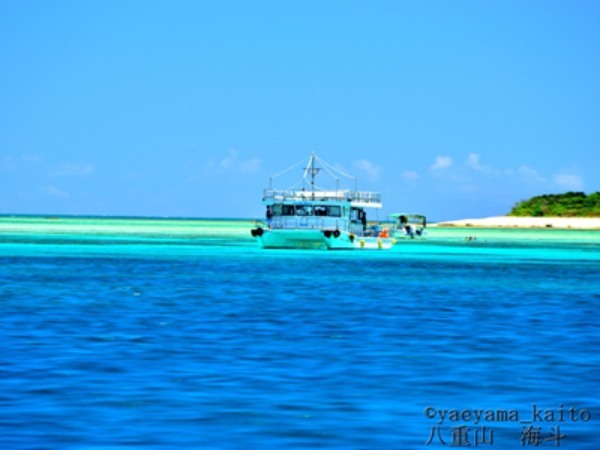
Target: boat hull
(316, 239)
(300, 239)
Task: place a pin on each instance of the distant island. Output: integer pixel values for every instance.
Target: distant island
(572, 210)
(570, 204)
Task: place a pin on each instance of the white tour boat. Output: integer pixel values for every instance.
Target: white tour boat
(314, 217)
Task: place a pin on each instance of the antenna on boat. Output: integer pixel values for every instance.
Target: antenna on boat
(313, 171)
(313, 166)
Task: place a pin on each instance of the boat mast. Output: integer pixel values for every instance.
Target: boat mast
(312, 174)
(313, 171)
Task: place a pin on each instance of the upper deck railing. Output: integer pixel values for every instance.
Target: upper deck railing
(372, 198)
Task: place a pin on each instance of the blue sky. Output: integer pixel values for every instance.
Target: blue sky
(179, 108)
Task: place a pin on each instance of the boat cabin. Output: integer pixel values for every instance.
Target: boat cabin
(336, 211)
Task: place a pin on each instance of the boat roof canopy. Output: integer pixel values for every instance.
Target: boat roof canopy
(356, 199)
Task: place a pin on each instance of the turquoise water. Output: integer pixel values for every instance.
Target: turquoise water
(162, 334)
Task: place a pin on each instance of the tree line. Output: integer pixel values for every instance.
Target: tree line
(570, 204)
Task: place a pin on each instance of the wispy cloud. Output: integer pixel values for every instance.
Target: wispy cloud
(228, 162)
(569, 181)
(474, 162)
(441, 162)
(54, 191)
(251, 165)
(371, 170)
(530, 175)
(24, 161)
(410, 176)
(8, 163)
(70, 169)
(474, 174)
(32, 159)
(232, 163)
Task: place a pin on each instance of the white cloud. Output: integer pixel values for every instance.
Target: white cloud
(69, 169)
(32, 159)
(530, 175)
(8, 163)
(210, 165)
(569, 181)
(229, 160)
(250, 165)
(232, 163)
(441, 162)
(369, 168)
(54, 191)
(474, 175)
(473, 162)
(24, 161)
(410, 176)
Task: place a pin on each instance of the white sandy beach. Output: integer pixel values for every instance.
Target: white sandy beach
(563, 223)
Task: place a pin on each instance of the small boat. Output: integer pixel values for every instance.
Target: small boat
(399, 226)
(312, 217)
(408, 225)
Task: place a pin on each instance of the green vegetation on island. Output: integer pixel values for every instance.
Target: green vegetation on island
(571, 204)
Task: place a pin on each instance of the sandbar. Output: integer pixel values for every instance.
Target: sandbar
(562, 223)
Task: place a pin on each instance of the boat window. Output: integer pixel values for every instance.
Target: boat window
(303, 210)
(334, 211)
(320, 210)
(287, 210)
(276, 210)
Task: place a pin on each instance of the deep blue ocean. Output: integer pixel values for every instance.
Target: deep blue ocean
(125, 334)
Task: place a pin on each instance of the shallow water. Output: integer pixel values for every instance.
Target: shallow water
(160, 334)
